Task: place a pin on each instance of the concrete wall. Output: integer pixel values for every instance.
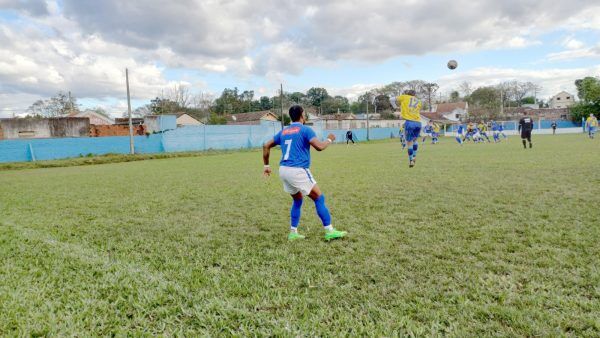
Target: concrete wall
(160, 123)
(356, 124)
(189, 138)
(29, 128)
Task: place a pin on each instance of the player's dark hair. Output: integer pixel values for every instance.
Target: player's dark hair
(296, 113)
(410, 92)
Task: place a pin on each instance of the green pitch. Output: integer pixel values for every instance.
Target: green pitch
(486, 239)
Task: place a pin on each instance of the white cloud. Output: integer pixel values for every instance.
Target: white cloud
(84, 46)
(572, 43)
(575, 53)
(354, 91)
(551, 80)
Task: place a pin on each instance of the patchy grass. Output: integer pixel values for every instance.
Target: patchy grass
(108, 158)
(479, 240)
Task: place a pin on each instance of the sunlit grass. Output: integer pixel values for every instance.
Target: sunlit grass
(487, 239)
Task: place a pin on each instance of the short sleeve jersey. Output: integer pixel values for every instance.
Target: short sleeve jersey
(295, 145)
(410, 107)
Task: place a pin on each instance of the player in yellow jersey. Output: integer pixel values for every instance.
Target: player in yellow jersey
(435, 136)
(410, 110)
(592, 125)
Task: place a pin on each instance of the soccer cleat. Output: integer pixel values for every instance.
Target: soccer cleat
(411, 163)
(294, 236)
(334, 234)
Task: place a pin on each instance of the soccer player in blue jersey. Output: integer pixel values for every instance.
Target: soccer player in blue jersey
(501, 131)
(496, 131)
(402, 139)
(460, 134)
(294, 171)
(428, 130)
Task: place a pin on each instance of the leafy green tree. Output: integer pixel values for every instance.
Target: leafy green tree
(454, 96)
(332, 105)
(382, 103)
(316, 96)
(217, 119)
(485, 97)
(265, 103)
(588, 90)
(297, 97)
(528, 100)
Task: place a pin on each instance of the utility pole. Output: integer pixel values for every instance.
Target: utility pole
(131, 146)
(501, 102)
(281, 101)
(367, 101)
(70, 103)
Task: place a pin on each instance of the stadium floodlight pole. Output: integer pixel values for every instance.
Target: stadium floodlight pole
(281, 101)
(131, 146)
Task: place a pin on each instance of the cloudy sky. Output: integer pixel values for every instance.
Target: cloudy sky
(83, 46)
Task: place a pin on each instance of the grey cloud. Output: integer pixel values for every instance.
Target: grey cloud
(31, 7)
(373, 30)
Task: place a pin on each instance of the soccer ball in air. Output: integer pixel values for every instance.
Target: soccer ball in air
(452, 64)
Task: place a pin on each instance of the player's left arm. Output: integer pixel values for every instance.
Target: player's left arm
(266, 154)
(322, 145)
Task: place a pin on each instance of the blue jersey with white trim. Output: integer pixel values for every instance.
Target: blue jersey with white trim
(295, 145)
(461, 128)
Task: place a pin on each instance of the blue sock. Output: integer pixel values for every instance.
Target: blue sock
(458, 140)
(295, 212)
(415, 148)
(410, 153)
(322, 211)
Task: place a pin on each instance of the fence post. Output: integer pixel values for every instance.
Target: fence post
(249, 143)
(31, 153)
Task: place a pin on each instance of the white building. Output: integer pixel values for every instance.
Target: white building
(184, 119)
(453, 111)
(562, 100)
(95, 118)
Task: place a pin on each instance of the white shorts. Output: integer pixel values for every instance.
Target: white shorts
(296, 180)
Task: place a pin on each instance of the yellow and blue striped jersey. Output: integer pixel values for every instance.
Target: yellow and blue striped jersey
(410, 107)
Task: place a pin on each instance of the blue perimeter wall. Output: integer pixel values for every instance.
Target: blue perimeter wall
(191, 138)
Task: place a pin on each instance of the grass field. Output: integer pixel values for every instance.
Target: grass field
(486, 239)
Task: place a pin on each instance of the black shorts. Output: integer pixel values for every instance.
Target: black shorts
(526, 134)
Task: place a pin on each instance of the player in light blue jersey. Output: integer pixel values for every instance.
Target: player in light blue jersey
(427, 131)
(501, 131)
(294, 171)
(460, 134)
(496, 131)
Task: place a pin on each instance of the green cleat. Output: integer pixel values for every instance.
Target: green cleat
(294, 236)
(334, 234)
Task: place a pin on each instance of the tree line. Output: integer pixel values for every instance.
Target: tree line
(487, 102)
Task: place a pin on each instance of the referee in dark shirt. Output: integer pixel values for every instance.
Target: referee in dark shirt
(525, 127)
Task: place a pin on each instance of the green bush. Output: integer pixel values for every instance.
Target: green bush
(582, 111)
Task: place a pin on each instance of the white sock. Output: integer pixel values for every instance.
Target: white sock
(328, 228)
(292, 229)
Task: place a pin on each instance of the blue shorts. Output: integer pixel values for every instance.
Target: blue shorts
(412, 129)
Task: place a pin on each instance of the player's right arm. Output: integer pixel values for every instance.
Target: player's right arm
(266, 154)
(322, 145)
(521, 121)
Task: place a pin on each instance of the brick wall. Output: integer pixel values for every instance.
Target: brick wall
(115, 130)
